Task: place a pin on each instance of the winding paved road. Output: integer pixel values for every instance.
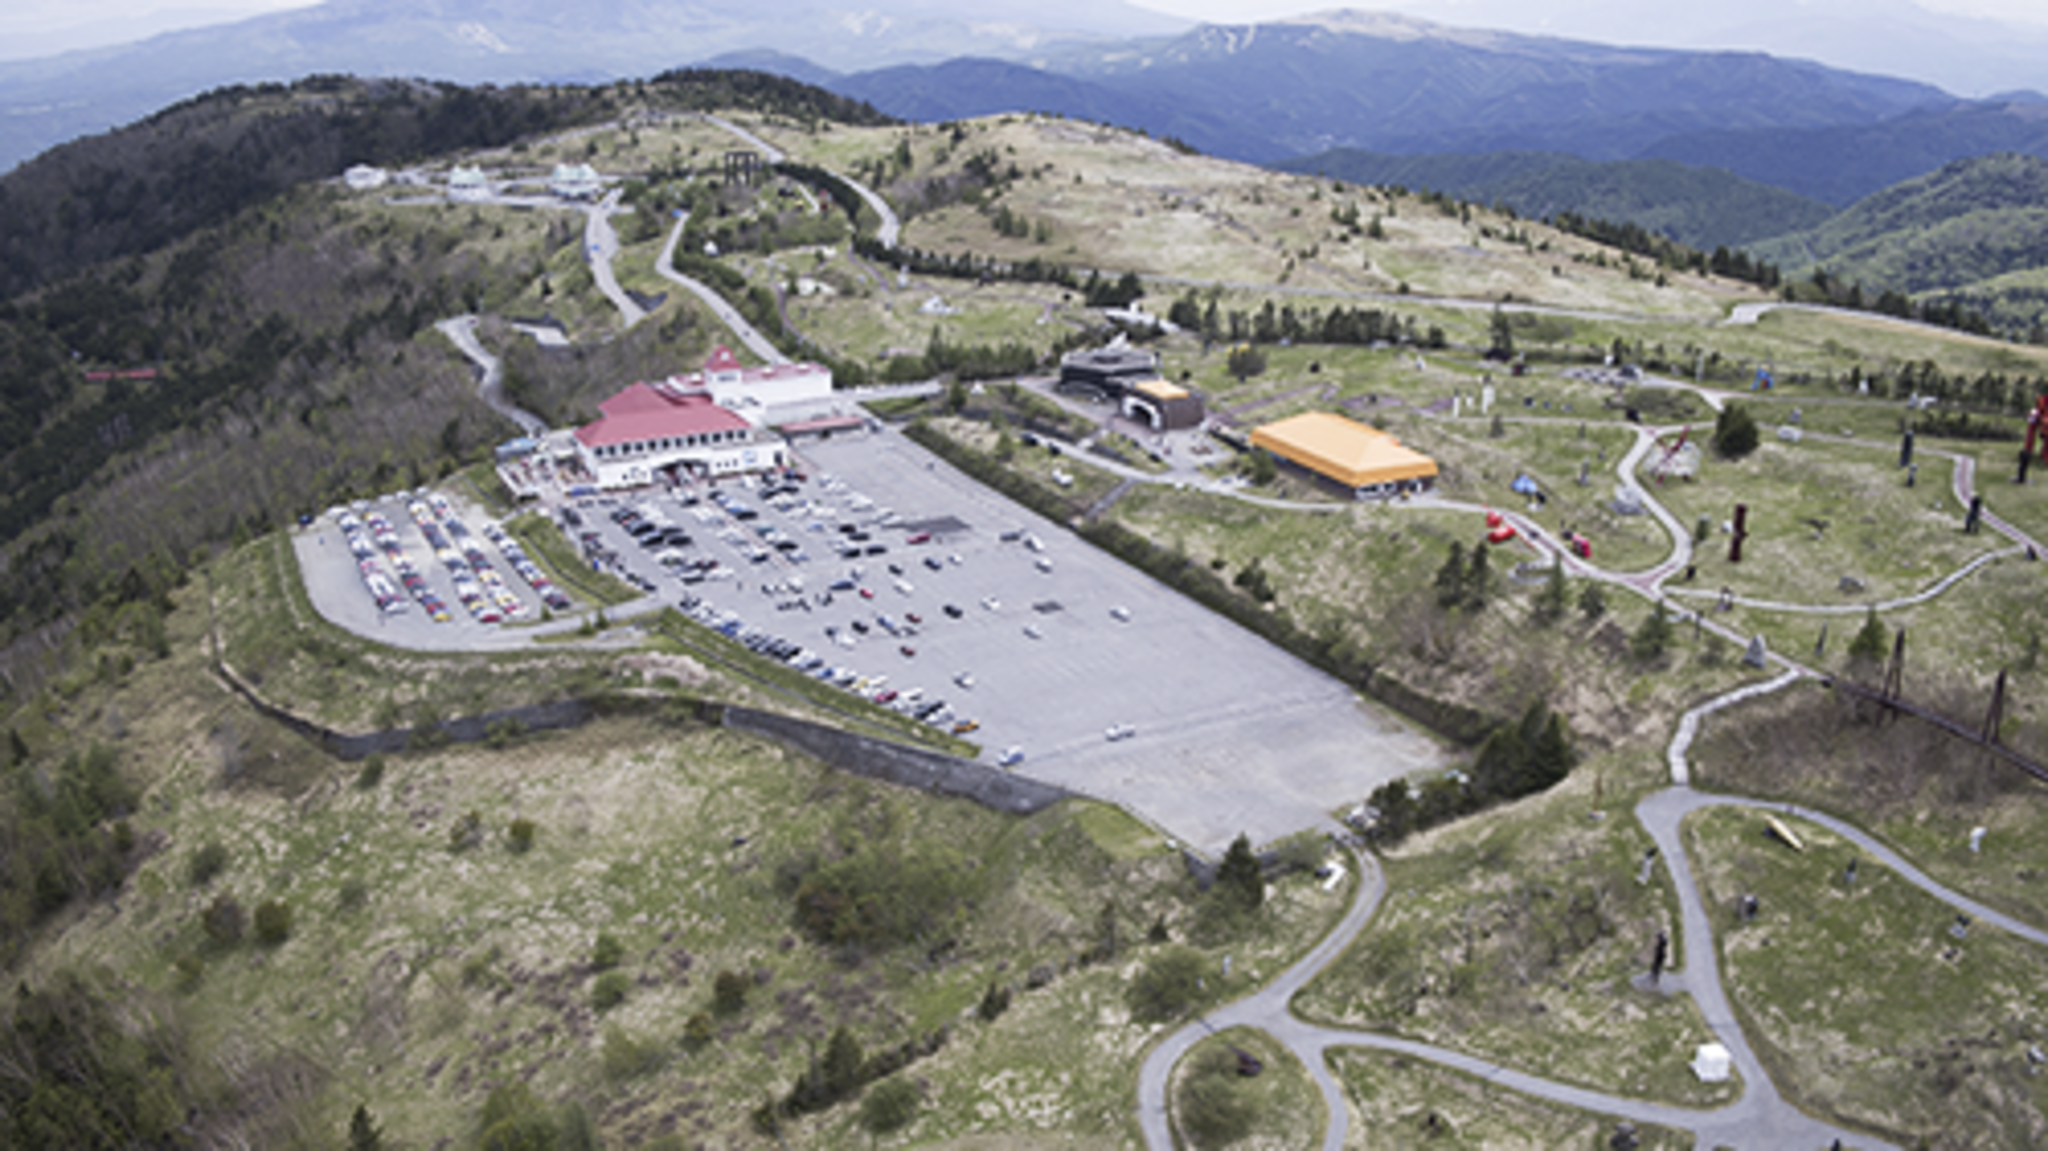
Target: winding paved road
(600, 246)
(490, 385)
(745, 332)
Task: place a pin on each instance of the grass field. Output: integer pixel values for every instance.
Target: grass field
(1283, 1107)
(1862, 1002)
(1514, 937)
(1397, 1102)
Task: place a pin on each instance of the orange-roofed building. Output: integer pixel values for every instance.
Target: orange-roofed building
(1364, 460)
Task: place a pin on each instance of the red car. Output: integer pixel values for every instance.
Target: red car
(886, 696)
(867, 593)
(907, 650)
(920, 538)
(913, 617)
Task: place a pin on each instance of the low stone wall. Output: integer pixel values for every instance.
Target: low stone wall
(895, 763)
(843, 751)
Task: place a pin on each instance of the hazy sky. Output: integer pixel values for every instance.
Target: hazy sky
(41, 27)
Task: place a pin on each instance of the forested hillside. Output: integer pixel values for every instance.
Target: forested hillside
(1701, 207)
(285, 327)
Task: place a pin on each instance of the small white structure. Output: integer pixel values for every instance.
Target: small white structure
(937, 306)
(575, 182)
(467, 182)
(365, 178)
(1712, 1063)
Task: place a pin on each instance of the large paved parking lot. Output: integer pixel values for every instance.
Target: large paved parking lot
(1228, 733)
(1218, 731)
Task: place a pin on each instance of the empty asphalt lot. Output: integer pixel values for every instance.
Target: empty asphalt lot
(1230, 733)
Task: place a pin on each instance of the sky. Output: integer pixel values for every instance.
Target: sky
(45, 27)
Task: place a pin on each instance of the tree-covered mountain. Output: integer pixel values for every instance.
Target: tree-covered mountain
(1841, 164)
(277, 317)
(1975, 230)
(1704, 208)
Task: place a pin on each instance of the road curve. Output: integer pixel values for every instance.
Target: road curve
(490, 387)
(743, 331)
(600, 246)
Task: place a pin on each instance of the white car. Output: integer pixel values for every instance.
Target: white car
(1011, 757)
(1031, 629)
(1120, 613)
(964, 680)
(1120, 731)
(990, 602)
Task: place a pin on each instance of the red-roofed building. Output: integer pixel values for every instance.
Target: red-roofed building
(765, 396)
(649, 429)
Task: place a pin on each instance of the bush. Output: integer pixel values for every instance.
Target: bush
(728, 993)
(273, 922)
(354, 894)
(608, 951)
(223, 920)
(626, 1056)
(519, 836)
(1239, 878)
(1168, 987)
(206, 863)
(1653, 638)
(698, 1032)
(994, 1002)
(372, 772)
(890, 1106)
(609, 990)
(1592, 601)
(466, 832)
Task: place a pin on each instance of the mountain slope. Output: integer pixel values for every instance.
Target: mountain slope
(1702, 207)
(1844, 163)
(1973, 220)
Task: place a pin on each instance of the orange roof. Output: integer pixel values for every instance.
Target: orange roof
(1348, 452)
(1160, 390)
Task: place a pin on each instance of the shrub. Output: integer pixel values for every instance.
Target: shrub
(273, 922)
(1239, 878)
(626, 1056)
(698, 1031)
(190, 968)
(223, 920)
(1651, 640)
(994, 1002)
(372, 772)
(466, 832)
(354, 893)
(607, 952)
(1168, 986)
(519, 836)
(207, 862)
(842, 1063)
(609, 990)
(1592, 602)
(890, 1106)
(728, 992)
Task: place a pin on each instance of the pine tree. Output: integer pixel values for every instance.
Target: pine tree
(1478, 580)
(1869, 644)
(1735, 434)
(843, 1059)
(1450, 578)
(1653, 637)
(363, 1134)
(1239, 876)
(1550, 754)
(1550, 602)
(1592, 601)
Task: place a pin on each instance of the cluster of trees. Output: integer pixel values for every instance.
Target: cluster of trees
(1517, 759)
(1735, 433)
(1943, 312)
(1284, 323)
(967, 265)
(839, 1074)
(1638, 240)
(1992, 393)
(1464, 581)
(876, 895)
(66, 835)
(963, 361)
(81, 1069)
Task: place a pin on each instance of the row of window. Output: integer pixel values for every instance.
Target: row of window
(668, 443)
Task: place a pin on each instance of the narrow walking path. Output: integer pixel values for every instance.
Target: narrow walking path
(490, 385)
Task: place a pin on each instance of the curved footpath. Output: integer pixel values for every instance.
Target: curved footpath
(600, 246)
(490, 385)
(1760, 1117)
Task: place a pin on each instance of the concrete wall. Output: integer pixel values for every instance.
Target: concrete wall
(895, 763)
